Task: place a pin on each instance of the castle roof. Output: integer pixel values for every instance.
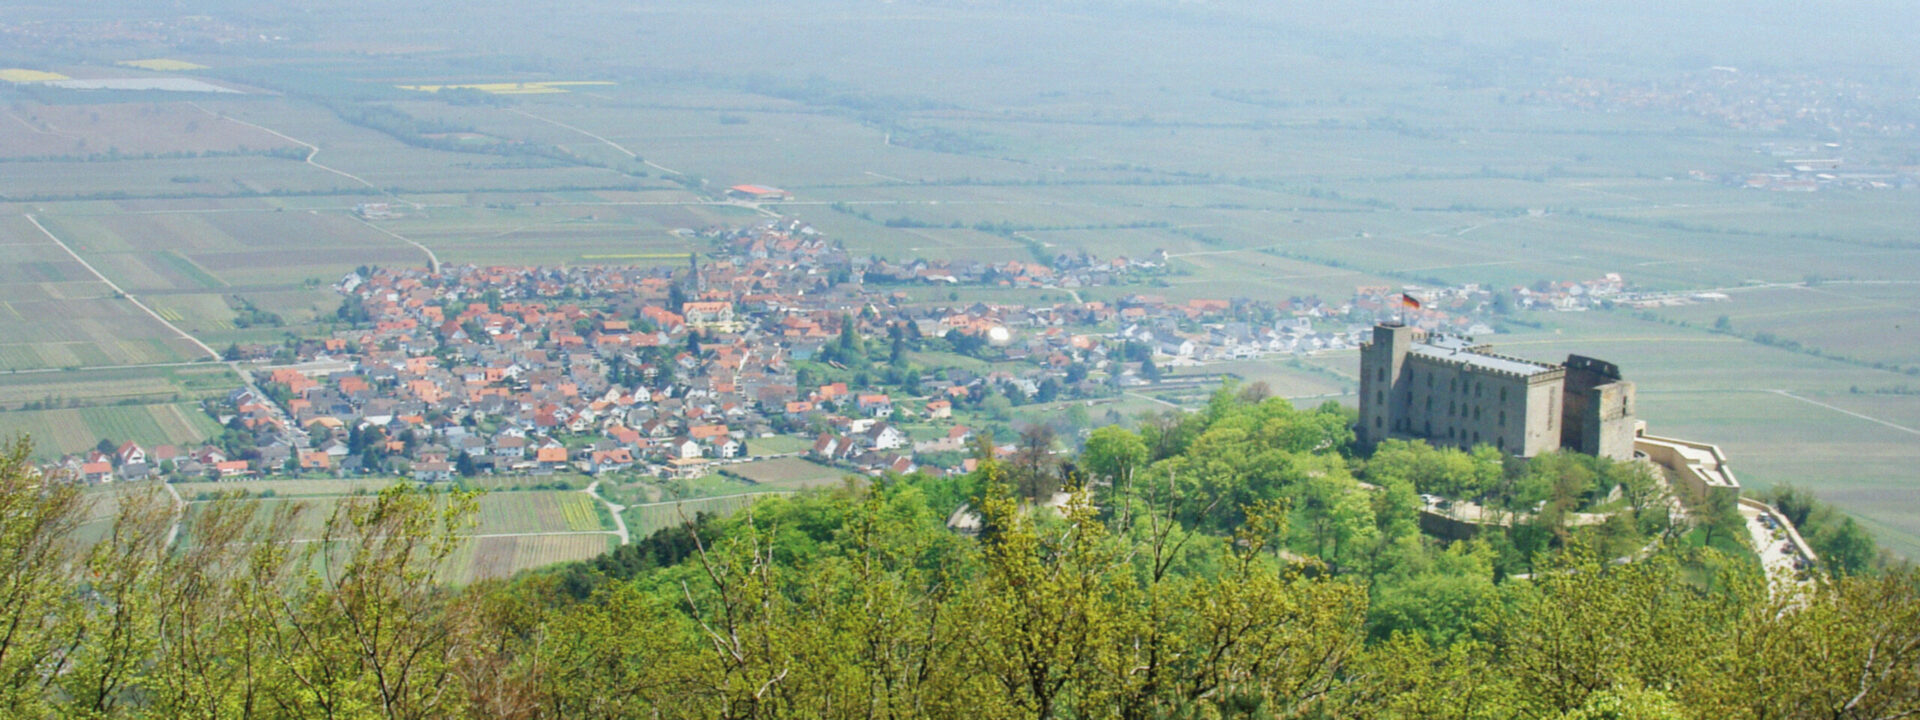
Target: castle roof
(1450, 349)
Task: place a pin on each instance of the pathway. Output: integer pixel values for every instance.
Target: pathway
(179, 513)
(1777, 557)
(1844, 411)
(610, 143)
(433, 261)
(312, 150)
(120, 292)
(619, 523)
(246, 377)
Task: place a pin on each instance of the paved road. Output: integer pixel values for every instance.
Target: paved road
(1776, 556)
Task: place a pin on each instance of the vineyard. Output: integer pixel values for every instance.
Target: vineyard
(644, 520)
(537, 511)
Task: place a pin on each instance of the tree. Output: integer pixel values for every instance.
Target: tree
(34, 523)
(1033, 471)
(1113, 453)
(1149, 371)
(1719, 519)
(463, 463)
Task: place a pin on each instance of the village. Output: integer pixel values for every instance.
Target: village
(777, 343)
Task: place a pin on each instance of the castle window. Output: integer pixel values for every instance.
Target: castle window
(1503, 394)
(1501, 443)
(1503, 418)
(1476, 437)
(1429, 403)
(1476, 413)
(1376, 422)
(1477, 387)
(1429, 379)
(1379, 396)
(1380, 375)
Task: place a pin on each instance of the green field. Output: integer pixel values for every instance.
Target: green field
(788, 473)
(644, 520)
(65, 430)
(513, 531)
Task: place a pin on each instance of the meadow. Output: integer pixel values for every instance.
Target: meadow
(790, 473)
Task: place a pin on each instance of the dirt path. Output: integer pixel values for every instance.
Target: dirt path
(609, 143)
(312, 150)
(619, 523)
(179, 513)
(433, 261)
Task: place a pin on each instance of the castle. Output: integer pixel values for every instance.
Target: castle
(1452, 392)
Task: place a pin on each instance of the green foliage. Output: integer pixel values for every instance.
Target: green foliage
(1245, 574)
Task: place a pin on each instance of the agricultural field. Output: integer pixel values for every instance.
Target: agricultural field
(142, 385)
(162, 65)
(777, 445)
(644, 520)
(126, 130)
(55, 314)
(498, 557)
(65, 430)
(787, 473)
(287, 488)
(538, 512)
(514, 531)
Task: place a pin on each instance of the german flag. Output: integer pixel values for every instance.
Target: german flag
(1410, 301)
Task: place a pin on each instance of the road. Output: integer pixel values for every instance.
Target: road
(619, 523)
(610, 143)
(433, 261)
(1776, 556)
(1844, 411)
(246, 377)
(312, 150)
(121, 292)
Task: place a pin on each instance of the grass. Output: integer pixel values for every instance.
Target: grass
(786, 473)
(777, 445)
(644, 520)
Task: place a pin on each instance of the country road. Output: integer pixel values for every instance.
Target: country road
(619, 523)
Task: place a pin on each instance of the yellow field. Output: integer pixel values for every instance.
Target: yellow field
(509, 88)
(23, 75)
(162, 64)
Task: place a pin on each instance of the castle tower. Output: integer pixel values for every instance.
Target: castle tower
(1598, 416)
(1381, 363)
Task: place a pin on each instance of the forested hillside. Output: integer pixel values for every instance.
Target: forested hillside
(1235, 562)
